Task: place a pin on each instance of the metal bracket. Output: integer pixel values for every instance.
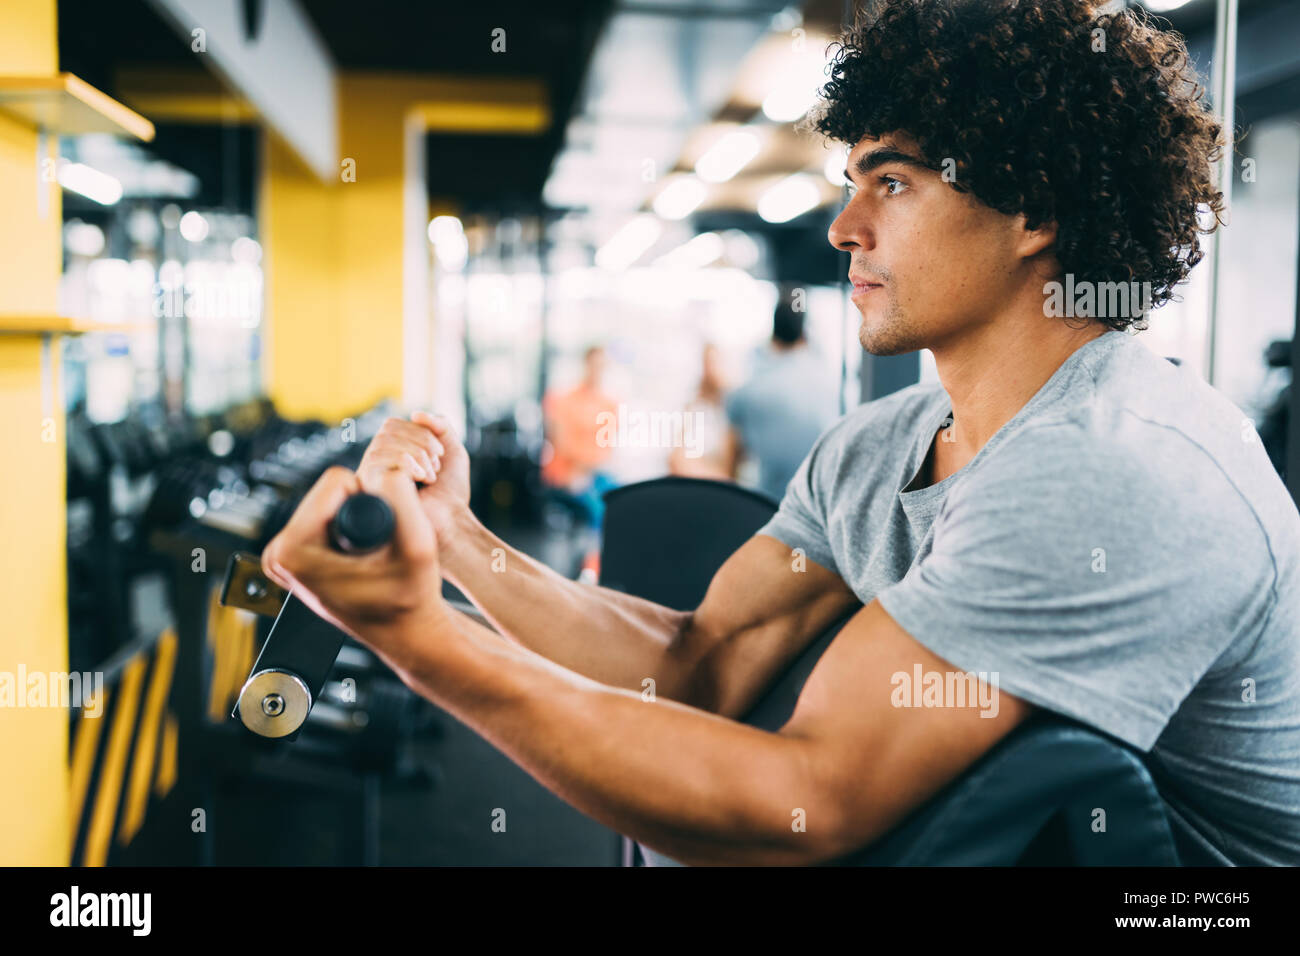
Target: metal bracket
(247, 588)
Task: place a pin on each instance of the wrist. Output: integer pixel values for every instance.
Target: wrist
(462, 540)
(437, 659)
(415, 641)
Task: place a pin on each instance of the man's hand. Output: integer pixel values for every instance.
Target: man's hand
(427, 449)
(390, 599)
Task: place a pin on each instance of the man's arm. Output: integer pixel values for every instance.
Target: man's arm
(847, 767)
(698, 787)
(757, 615)
(761, 608)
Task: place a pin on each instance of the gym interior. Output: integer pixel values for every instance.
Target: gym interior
(239, 236)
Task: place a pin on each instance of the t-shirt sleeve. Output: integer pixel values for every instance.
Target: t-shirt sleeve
(800, 521)
(1089, 580)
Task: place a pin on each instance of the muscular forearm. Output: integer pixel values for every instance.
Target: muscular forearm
(696, 787)
(613, 638)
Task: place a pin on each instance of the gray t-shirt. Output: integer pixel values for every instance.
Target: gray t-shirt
(1122, 552)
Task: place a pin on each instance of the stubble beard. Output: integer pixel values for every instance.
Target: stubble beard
(889, 334)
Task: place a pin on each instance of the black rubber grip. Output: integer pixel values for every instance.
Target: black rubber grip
(364, 523)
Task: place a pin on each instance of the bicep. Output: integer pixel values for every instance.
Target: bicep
(763, 606)
(888, 724)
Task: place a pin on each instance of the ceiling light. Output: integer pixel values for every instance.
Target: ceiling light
(788, 104)
(91, 183)
(83, 238)
(628, 244)
(834, 168)
(193, 227)
(741, 249)
(450, 244)
(728, 156)
(705, 248)
(789, 198)
(246, 250)
(797, 86)
(679, 198)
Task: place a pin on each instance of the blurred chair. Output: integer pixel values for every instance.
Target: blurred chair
(664, 539)
(1031, 800)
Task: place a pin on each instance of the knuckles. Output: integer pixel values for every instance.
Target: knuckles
(335, 474)
(397, 435)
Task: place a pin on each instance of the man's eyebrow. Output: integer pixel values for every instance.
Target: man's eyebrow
(886, 157)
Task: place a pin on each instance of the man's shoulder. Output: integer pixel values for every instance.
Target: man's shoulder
(1126, 407)
(1113, 447)
(1177, 459)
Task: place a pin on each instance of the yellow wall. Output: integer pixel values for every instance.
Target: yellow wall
(334, 251)
(28, 38)
(334, 262)
(298, 228)
(33, 581)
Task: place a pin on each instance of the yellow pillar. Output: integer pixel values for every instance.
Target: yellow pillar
(298, 228)
(334, 251)
(334, 263)
(34, 827)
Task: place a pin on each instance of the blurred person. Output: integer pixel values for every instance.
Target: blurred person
(713, 451)
(1063, 524)
(572, 420)
(791, 397)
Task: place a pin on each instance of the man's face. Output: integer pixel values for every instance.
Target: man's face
(927, 262)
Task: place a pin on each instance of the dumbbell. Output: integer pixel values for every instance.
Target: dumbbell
(291, 669)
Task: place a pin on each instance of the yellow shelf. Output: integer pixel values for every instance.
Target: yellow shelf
(67, 105)
(33, 324)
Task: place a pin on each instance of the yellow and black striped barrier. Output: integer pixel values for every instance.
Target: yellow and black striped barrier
(125, 736)
(123, 749)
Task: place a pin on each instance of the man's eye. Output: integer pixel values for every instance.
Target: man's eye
(890, 182)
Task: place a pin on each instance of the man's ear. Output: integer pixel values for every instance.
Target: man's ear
(1032, 242)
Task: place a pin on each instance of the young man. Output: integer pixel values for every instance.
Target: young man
(1088, 528)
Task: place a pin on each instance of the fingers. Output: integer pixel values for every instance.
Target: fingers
(412, 534)
(421, 469)
(323, 499)
(409, 448)
(400, 431)
(440, 426)
(308, 525)
(415, 434)
(397, 434)
(372, 474)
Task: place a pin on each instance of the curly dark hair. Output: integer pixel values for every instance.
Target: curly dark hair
(1052, 108)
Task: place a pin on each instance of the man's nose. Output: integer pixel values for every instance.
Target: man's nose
(849, 231)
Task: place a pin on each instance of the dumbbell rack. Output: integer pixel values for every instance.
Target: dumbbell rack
(204, 507)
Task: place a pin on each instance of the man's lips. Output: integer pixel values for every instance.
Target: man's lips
(861, 285)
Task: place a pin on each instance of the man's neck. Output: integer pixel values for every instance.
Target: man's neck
(993, 371)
